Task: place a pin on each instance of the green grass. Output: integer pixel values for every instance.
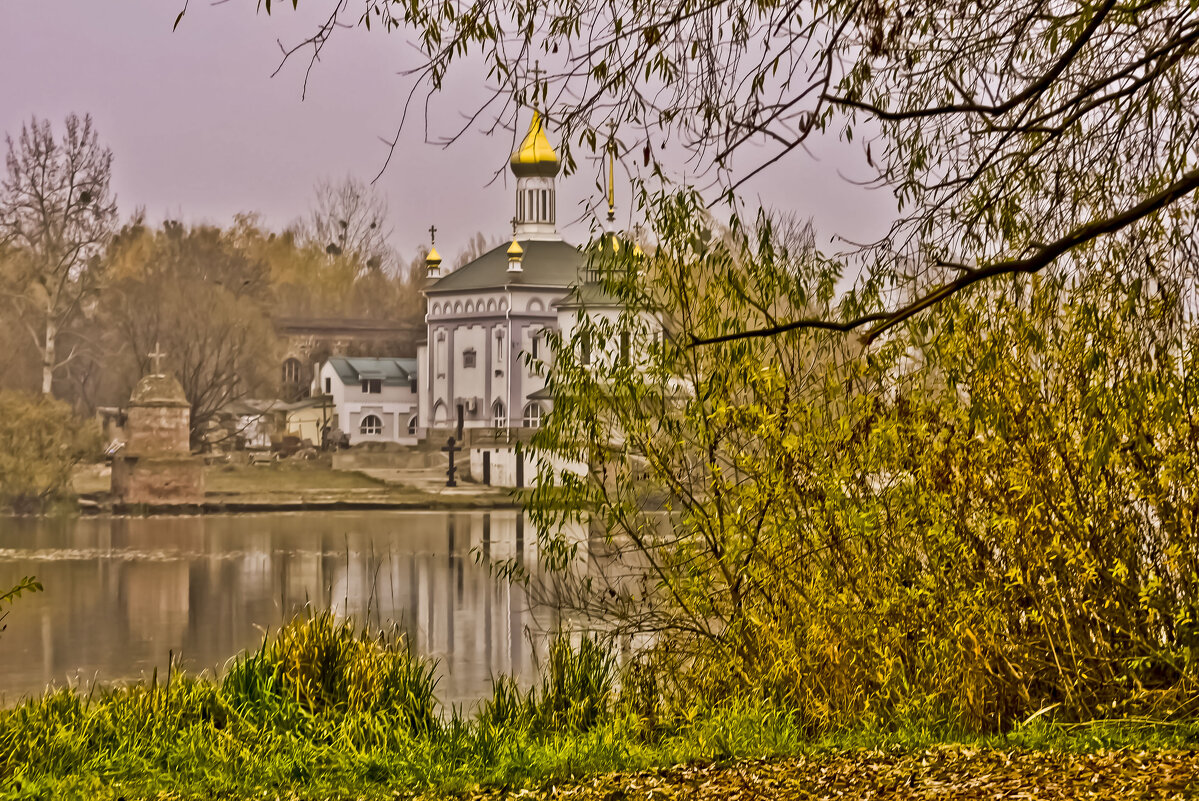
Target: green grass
(326, 710)
(284, 477)
(240, 479)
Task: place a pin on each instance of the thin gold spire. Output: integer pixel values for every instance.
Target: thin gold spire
(611, 171)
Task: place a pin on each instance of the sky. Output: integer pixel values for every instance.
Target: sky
(201, 131)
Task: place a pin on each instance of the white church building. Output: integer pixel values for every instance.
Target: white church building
(485, 323)
(484, 315)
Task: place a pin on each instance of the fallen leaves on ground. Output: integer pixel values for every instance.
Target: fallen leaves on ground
(942, 774)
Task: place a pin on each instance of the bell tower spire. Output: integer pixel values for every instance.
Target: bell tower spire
(535, 165)
(611, 173)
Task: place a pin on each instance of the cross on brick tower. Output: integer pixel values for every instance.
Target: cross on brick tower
(156, 357)
(432, 234)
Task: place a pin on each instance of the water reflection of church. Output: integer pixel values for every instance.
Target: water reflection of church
(123, 592)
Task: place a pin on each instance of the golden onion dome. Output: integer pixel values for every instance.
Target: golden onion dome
(515, 251)
(535, 156)
(434, 258)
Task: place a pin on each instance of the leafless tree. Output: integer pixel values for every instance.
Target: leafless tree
(56, 214)
(204, 302)
(349, 220)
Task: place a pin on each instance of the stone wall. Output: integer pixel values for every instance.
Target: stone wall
(158, 481)
(154, 430)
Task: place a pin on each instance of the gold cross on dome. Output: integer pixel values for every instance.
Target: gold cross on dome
(536, 72)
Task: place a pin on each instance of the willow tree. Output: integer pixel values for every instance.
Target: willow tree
(980, 520)
(1013, 134)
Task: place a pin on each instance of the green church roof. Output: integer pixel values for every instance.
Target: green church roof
(545, 263)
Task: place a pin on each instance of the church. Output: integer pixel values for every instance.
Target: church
(483, 316)
(486, 325)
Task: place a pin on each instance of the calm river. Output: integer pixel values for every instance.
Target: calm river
(122, 593)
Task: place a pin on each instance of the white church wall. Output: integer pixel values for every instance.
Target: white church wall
(608, 352)
(424, 408)
(504, 466)
(439, 384)
(470, 381)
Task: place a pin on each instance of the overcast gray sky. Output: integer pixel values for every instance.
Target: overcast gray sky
(201, 131)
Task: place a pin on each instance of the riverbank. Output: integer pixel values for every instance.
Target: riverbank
(203, 750)
(303, 486)
(324, 711)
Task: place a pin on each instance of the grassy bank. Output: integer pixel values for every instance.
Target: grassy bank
(305, 484)
(323, 710)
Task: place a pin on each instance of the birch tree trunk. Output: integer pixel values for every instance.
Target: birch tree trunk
(49, 353)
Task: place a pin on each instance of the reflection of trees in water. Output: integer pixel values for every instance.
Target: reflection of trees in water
(608, 588)
(121, 593)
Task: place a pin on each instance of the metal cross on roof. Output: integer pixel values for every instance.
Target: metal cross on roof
(536, 72)
(156, 357)
(432, 234)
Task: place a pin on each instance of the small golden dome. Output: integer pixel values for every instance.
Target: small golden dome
(515, 251)
(433, 259)
(535, 156)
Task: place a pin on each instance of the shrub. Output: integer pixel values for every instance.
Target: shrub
(27, 584)
(41, 441)
(317, 666)
(576, 686)
(975, 521)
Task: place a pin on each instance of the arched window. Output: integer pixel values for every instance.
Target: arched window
(371, 425)
(498, 418)
(440, 414)
(533, 415)
(412, 425)
(293, 371)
